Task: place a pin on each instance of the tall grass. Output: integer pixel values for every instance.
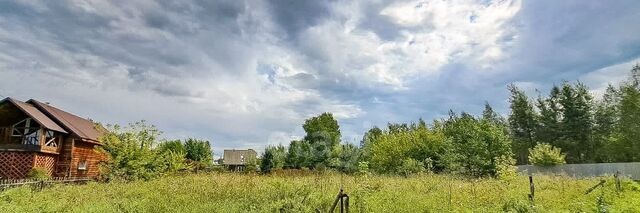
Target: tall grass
(227, 192)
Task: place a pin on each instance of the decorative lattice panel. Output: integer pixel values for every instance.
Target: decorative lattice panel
(15, 165)
(46, 161)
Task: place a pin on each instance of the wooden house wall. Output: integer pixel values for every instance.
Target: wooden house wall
(83, 151)
(64, 159)
(16, 165)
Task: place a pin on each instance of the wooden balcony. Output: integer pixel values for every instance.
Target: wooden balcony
(38, 141)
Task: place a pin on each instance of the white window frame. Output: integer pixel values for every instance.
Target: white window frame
(83, 165)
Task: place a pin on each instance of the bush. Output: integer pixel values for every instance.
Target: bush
(175, 161)
(130, 153)
(505, 169)
(198, 152)
(273, 158)
(546, 155)
(38, 173)
(174, 146)
(411, 166)
(174, 155)
(363, 168)
(251, 166)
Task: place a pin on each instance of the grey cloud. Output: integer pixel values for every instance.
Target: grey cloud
(561, 40)
(294, 16)
(214, 49)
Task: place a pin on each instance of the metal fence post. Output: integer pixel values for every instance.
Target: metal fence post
(532, 188)
(618, 186)
(346, 203)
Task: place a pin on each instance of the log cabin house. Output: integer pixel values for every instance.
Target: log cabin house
(37, 135)
(237, 160)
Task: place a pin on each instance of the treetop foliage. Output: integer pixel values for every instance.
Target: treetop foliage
(546, 155)
(135, 152)
(568, 122)
(586, 129)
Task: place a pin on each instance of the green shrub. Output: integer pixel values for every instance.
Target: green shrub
(546, 155)
(363, 168)
(175, 161)
(38, 173)
(198, 152)
(505, 169)
(130, 154)
(175, 146)
(411, 166)
(251, 165)
(273, 158)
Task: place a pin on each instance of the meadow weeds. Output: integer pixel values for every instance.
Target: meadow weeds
(306, 192)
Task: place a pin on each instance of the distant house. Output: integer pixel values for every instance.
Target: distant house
(37, 135)
(237, 160)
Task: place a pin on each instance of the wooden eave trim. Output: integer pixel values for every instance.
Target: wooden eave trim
(90, 141)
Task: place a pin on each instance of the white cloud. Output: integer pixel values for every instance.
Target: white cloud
(600, 79)
(433, 34)
(441, 32)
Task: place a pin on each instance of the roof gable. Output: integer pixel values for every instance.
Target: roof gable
(238, 157)
(35, 114)
(80, 127)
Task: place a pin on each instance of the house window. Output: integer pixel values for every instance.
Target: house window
(82, 165)
(50, 139)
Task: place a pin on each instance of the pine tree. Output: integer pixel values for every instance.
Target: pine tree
(635, 77)
(522, 123)
(577, 123)
(490, 115)
(548, 129)
(605, 119)
(627, 145)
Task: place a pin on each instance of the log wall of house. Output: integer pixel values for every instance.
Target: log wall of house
(83, 151)
(64, 159)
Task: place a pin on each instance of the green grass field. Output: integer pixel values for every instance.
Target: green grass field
(226, 192)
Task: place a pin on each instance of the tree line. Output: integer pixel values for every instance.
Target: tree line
(587, 130)
(567, 125)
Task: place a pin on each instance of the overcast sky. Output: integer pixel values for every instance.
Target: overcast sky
(244, 74)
